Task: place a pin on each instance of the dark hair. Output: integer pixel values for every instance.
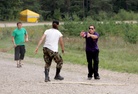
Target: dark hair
(19, 23)
(93, 26)
(55, 21)
(55, 24)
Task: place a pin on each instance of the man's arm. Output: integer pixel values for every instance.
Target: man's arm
(13, 41)
(26, 38)
(39, 43)
(92, 36)
(61, 44)
(83, 34)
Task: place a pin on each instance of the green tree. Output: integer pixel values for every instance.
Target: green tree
(129, 5)
(49, 7)
(33, 5)
(9, 9)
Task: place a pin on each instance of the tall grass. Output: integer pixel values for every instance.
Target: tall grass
(116, 53)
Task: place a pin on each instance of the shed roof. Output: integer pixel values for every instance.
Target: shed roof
(28, 12)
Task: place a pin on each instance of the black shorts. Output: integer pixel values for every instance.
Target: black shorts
(19, 52)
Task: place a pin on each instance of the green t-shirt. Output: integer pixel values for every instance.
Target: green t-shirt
(19, 36)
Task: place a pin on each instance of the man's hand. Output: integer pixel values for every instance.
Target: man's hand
(14, 45)
(63, 51)
(82, 34)
(36, 50)
(26, 40)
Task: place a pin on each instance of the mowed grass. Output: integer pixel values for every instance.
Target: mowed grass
(118, 55)
(115, 54)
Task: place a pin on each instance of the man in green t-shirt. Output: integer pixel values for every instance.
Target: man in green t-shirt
(19, 37)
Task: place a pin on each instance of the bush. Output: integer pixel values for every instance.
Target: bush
(5, 32)
(128, 31)
(125, 15)
(131, 33)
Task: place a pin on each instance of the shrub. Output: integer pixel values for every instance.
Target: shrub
(131, 33)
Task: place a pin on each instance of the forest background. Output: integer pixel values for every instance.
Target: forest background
(70, 9)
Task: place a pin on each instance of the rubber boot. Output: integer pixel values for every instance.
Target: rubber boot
(57, 76)
(47, 75)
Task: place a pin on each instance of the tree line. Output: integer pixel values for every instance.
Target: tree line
(61, 9)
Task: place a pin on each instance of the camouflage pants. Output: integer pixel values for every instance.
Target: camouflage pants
(49, 55)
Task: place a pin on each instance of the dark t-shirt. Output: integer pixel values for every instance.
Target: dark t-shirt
(91, 44)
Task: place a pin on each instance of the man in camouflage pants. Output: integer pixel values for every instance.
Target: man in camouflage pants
(48, 56)
(50, 49)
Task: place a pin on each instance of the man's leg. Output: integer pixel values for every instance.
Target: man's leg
(58, 59)
(17, 55)
(89, 60)
(22, 54)
(48, 61)
(96, 65)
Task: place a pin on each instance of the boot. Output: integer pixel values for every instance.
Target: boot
(47, 75)
(57, 76)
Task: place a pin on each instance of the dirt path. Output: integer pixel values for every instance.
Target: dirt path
(13, 24)
(30, 79)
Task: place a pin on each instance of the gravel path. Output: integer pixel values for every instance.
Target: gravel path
(30, 79)
(13, 24)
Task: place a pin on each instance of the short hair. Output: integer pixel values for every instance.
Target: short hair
(19, 23)
(93, 26)
(56, 22)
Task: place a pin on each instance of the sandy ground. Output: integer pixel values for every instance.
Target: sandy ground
(30, 79)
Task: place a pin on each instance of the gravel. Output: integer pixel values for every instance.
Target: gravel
(30, 79)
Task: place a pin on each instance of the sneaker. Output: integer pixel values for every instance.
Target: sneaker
(18, 66)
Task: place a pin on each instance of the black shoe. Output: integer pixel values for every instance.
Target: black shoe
(58, 77)
(97, 77)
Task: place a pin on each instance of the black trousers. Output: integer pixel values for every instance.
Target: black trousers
(93, 63)
(19, 52)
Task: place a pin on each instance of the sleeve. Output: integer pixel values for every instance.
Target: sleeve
(60, 34)
(97, 34)
(45, 32)
(85, 34)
